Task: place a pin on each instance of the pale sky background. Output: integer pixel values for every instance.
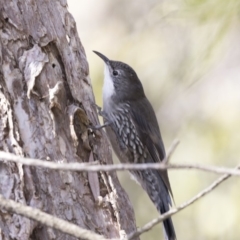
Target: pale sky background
(187, 55)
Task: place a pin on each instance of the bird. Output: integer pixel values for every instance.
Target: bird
(133, 131)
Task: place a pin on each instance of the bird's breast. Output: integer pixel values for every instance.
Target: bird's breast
(123, 133)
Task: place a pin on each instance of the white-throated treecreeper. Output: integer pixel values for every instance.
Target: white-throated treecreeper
(133, 131)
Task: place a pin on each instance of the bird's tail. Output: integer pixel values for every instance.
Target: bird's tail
(169, 231)
(160, 196)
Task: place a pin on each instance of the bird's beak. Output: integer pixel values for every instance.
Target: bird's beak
(105, 59)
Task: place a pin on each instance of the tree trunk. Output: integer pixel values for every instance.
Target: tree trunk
(46, 107)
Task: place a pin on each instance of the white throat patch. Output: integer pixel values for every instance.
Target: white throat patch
(108, 88)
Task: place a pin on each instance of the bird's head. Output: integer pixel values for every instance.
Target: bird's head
(120, 81)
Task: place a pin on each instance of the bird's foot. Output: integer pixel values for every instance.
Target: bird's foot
(98, 127)
(99, 110)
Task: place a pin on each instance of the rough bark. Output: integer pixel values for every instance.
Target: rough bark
(45, 110)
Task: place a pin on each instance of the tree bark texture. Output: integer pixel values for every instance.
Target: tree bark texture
(45, 111)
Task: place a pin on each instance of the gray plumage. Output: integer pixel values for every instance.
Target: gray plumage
(134, 133)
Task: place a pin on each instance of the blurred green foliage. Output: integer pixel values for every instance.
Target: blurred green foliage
(187, 55)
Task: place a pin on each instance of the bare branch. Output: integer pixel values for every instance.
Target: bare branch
(173, 211)
(213, 169)
(48, 220)
(85, 167)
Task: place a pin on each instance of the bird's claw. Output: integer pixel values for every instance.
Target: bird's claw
(99, 110)
(98, 127)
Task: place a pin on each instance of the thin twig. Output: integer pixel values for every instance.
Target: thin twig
(173, 211)
(84, 167)
(171, 151)
(48, 220)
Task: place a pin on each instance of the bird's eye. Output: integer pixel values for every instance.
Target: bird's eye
(115, 73)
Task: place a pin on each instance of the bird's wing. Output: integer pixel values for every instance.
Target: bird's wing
(147, 127)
